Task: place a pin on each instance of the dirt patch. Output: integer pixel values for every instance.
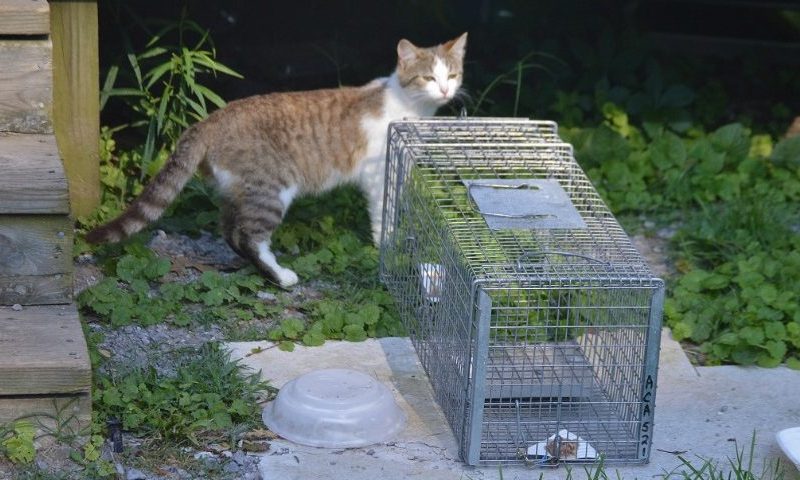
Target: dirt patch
(654, 251)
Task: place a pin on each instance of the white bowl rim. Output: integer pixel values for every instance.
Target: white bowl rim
(371, 421)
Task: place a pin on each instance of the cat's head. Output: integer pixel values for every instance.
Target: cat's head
(433, 74)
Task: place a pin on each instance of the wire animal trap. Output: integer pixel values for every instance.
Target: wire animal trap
(536, 320)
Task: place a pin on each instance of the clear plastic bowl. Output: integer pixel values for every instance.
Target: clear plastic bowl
(334, 408)
(789, 441)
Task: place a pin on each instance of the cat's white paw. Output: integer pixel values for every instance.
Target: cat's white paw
(286, 278)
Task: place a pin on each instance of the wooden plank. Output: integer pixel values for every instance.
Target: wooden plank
(26, 86)
(33, 178)
(35, 244)
(24, 17)
(42, 351)
(73, 412)
(35, 259)
(50, 289)
(76, 111)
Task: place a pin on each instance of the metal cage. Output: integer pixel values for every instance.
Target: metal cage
(533, 315)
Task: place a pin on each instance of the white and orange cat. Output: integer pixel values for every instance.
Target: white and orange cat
(263, 151)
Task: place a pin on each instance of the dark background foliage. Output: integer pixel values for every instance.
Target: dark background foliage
(739, 57)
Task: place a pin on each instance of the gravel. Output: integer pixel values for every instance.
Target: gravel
(160, 346)
(206, 250)
(653, 249)
(134, 474)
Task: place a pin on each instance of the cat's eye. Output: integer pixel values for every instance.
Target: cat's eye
(428, 78)
(453, 75)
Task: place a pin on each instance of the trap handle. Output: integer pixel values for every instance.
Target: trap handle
(545, 253)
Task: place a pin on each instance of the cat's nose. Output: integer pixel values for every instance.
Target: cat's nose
(444, 90)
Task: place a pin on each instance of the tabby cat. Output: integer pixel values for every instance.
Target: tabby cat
(263, 151)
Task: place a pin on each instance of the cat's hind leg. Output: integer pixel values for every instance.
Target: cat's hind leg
(248, 225)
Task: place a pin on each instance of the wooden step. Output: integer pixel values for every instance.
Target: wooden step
(35, 259)
(24, 17)
(26, 76)
(26, 85)
(44, 363)
(35, 230)
(32, 179)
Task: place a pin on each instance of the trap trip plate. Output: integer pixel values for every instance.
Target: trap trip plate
(524, 203)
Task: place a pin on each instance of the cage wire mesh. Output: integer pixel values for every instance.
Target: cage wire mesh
(533, 315)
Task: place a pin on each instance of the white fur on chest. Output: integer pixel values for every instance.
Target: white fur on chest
(375, 128)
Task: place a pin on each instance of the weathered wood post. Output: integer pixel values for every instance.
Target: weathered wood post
(76, 89)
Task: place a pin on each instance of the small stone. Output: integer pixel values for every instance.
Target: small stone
(218, 448)
(204, 456)
(232, 467)
(266, 296)
(240, 457)
(16, 307)
(256, 446)
(649, 224)
(723, 409)
(227, 454)
(666, 233)
(134, 474)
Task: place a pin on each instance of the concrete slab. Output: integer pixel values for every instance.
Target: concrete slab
(704, 411)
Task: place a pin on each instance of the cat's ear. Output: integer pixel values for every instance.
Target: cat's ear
(457, 46)
(406, 51)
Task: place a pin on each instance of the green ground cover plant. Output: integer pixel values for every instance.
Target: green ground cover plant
(208, 396)
(735, 196)
(135, 292)
(16, 441)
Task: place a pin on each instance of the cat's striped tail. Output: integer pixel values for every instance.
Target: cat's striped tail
(158, 193)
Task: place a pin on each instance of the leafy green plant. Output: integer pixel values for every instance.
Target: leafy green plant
(164, 89)
(736, 197)
(209, 395)
(166, 94)
(16, 441)
(136, 292)
(353, 316)
(738, 300)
